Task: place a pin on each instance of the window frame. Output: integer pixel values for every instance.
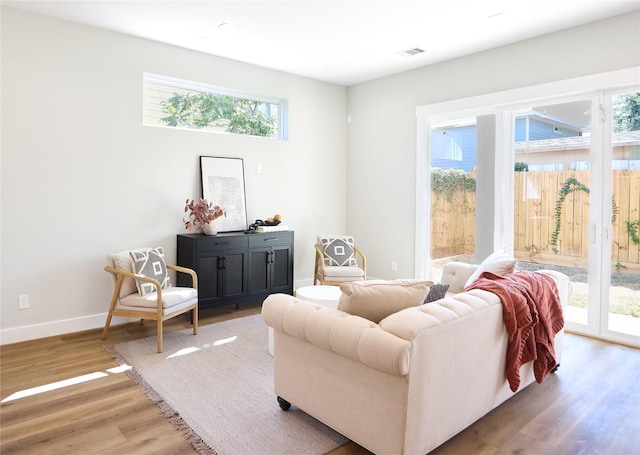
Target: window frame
(201, 87)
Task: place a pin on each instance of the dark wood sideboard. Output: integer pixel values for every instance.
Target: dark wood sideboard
(234, 267)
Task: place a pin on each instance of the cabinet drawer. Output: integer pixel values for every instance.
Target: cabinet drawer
(217, 243)
(270, 238)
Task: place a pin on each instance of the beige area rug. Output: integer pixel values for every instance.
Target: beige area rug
(218, 386)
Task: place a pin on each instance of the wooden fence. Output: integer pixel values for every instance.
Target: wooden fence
(535, 198)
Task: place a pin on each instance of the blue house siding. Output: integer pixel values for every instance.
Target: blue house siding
(541, 130)
(455, 147)
(538, 130)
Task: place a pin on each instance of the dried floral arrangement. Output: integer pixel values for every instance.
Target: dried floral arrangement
(201, 213)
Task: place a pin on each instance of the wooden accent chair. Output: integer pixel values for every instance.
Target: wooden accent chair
(338, 260)
(142, 289)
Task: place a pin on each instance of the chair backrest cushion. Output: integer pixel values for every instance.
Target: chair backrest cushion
(338, 250)
(123, 261)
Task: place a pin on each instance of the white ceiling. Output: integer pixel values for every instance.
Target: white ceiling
(342, 42)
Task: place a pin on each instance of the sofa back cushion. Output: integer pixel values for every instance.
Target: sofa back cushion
(376, 299)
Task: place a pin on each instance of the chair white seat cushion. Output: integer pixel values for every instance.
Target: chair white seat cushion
(338, 272)
(170, 298)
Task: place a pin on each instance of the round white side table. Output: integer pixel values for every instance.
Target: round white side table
(328, 296)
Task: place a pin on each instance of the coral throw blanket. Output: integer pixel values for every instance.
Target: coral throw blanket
(532, 315)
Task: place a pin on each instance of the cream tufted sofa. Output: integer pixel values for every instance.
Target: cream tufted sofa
(407, 384)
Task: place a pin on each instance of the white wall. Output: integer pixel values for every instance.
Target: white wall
(81, 176)
(382, 136)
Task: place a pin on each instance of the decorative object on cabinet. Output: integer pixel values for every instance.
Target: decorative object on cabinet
(202, 215)
(210, 228)
(268, 225)
(234, 268)
(222, 180)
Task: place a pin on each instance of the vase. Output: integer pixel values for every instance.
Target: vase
(210, 228)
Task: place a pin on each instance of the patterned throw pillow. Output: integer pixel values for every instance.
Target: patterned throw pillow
(150, 263)
(338, 250)
(436, 292)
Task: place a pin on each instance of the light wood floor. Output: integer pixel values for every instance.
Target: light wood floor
(591, 406)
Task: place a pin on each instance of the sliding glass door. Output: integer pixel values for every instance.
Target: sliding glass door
(620, 311)
(577, 206)
(552, 195)
(565, 192)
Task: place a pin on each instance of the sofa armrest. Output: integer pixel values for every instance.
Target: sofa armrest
(456, 274)
(333, 330)
(563, 283)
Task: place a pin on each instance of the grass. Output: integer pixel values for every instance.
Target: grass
(624, 293)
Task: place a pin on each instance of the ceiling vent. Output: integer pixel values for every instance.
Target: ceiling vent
(411, 52)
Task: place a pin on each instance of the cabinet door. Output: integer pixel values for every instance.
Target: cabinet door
(259, 259)
(234, 265)
(281, 268)
(209, 284)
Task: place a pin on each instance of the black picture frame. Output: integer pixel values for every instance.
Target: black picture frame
(222, 182)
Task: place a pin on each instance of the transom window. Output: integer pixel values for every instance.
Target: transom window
(179, 103)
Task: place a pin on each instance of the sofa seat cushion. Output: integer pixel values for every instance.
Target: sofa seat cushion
(376, 299)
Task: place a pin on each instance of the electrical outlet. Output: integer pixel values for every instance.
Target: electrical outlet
(258, 168)
(23, 301)
(394, 266)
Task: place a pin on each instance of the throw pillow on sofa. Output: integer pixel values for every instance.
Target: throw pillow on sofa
(376, 299)
(436, 292)
(498, 263)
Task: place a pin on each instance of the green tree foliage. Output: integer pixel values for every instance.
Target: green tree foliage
(201, 110)
(626, 112)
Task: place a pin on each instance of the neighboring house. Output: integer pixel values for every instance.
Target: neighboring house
(573, 152)
(453, 145)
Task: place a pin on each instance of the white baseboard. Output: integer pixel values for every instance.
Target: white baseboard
(54, 328)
